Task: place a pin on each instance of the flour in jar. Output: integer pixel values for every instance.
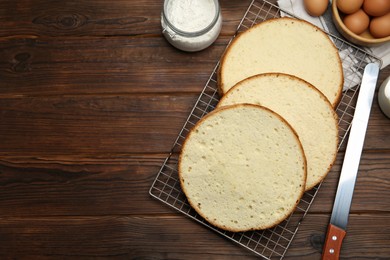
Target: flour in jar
(191, 25)
(191, 15)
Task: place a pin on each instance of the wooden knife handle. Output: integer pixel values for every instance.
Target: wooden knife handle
(333, 241)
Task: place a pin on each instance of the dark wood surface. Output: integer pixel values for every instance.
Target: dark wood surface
(92, 98)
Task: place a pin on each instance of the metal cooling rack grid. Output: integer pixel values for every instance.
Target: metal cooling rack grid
(271, 243)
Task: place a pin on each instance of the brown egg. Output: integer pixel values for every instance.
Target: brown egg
(357, 22)
(380, 26)
(315, 7)
(376, 7)
(349, 6)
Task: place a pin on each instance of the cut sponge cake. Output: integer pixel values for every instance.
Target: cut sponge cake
(284, 45)
(304, 107)
(242, 167)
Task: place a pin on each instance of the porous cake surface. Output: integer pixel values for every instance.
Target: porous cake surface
(284, 45)
(242, 167)
(304, 107)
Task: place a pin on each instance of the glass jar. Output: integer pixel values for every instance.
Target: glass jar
(191, 25)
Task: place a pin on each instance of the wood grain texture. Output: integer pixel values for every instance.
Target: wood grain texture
(92, 98)
(371, 188)
(55, 66)
(171, 237)
(96, 18)
(81, 185)
(113, 123)
(364, 238)
(91, 124)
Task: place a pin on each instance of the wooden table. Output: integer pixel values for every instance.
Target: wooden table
(92, 98)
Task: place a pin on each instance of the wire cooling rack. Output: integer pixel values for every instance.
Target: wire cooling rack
(271, 243)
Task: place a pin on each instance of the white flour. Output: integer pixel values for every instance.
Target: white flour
(191, 16)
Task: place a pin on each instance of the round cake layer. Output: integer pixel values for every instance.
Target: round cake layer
(242, 167)
(284, 45)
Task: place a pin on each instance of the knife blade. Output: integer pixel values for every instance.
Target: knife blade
(339, 219)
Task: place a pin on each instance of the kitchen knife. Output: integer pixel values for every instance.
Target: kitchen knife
(339, 218)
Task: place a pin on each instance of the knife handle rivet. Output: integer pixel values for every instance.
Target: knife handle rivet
(334, 238)
(331, 250)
